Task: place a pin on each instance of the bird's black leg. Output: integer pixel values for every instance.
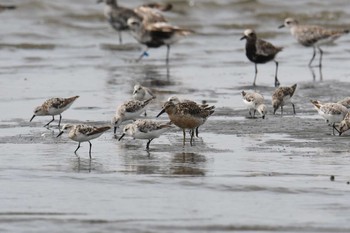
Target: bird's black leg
(167, 54)
(321, 53)
(293, 108)
(77, 148)
(256, 73)
(90, 149)
(277, 83)
(47, 125)
(192, 135)
(197, 132)
(59, 122)
(313, 57)
(149, 141)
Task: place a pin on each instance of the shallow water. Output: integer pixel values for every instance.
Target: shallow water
(243, 175)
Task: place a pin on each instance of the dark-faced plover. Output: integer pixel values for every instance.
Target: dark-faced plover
(83, 133)
(312, 35)
(154, 35)
(259, 52)
(145, 129)
(53, 107)
(281, 97)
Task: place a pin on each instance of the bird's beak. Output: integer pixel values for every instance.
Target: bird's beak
(60, 134)
(281, 26)
(243, 37)
(32, 118)
(161, 112)
(134, 92)
(121, 137)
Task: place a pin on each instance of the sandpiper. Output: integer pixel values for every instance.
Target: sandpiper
(154, 35)
(140, 92)
(204, 106)
(186, 115)
(254, 102)
(345, 102)
(312, 35)
(259, 51)
(145, 129)
(130, 110)
(333, 113)
(53, 107)
(344, 124)
(83, 133)
(282, 96)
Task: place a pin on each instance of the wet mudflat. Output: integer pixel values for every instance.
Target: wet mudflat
(244, 175)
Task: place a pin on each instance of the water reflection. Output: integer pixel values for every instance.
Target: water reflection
(191, 164)
(313, 73)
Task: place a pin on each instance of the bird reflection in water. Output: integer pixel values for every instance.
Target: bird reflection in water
(189, 164)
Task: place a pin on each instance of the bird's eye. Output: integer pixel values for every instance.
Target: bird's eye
(288, 22)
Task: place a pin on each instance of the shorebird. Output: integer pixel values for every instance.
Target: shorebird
(282, 96)
(312, 35)
(145, 129)
(259, 51)
(204, 106)
(83, 133)
(344, 124)
(333, 113)
(345, 102)
(130, 110)
(254, 102)
(118, 16)
(53, 107)
(186, 115)
(154, 35)
(140, 92)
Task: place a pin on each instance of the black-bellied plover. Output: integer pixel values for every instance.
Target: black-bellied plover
(259, 52)
(154, 35)
(312, 35)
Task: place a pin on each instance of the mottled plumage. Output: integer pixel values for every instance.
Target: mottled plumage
(186, 115)
(333, 113)
(254, 102)
(130, 110)
(154, 35)
(83, 133)
(176, 100)
(345, 102)
(282, 96)
(312, 35)
(145, 129)
(344, 124)
(53, 107)
(259, 52)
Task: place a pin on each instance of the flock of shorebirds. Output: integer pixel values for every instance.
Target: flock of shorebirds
(149, 27)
